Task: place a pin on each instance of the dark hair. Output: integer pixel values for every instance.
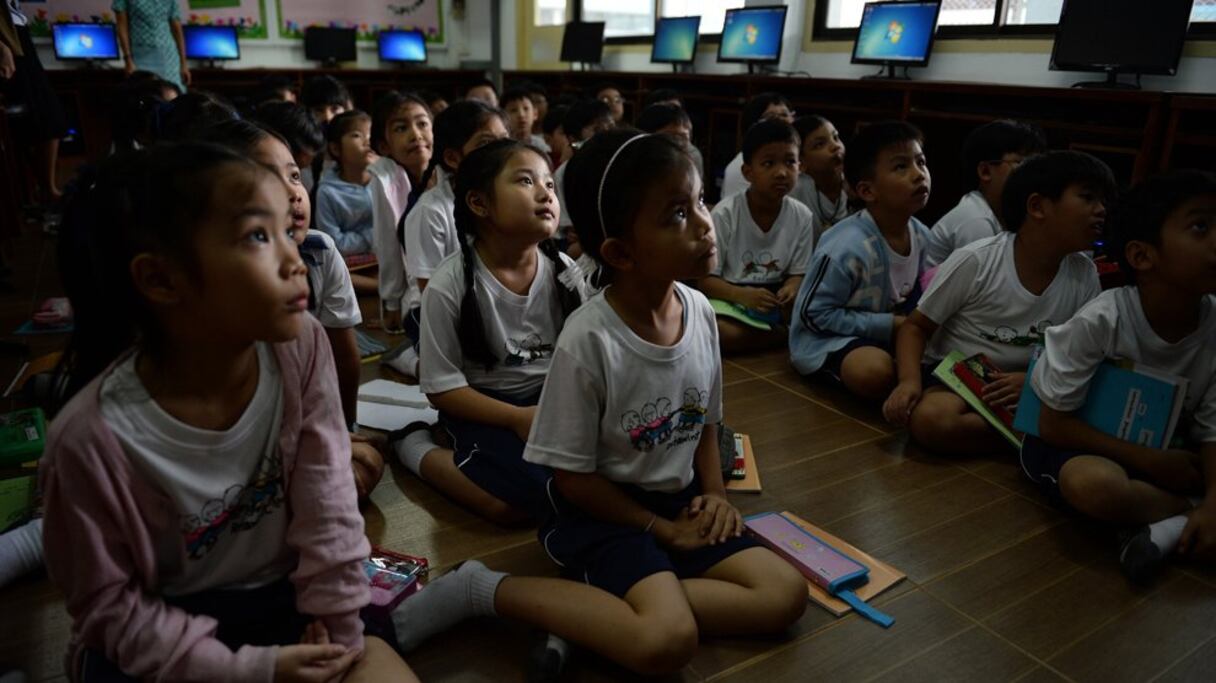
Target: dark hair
(754, 110)
(137, 105)
(293, 122)
(477, 173)
(344, 123)
(867, 145)
(479, 83)
(661, 95)
(429, 97)
(658, 116)
(805, 125)
(270, 89)
(602, 86)
(512, 94)
(453, 128)
(324, 91)
(643, 163)
(582, 114)
(147, 200)
(992, 141)
(1143, 210)
(386, 106)
(1049, 175)
(182, 118)
(534, 88)
(767, 132)
(554, 118)
(239, 136)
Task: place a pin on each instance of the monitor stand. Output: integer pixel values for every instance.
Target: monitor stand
(1111, 82)
(210, 64)
(887, 73)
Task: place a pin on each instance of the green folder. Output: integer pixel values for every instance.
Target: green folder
(945, 372)
(736, 312)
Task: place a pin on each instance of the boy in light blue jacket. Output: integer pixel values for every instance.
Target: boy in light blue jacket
(865, 275)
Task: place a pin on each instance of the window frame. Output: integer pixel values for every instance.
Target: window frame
(643, 39)
(820, 30)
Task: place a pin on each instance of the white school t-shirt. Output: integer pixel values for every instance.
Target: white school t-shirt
(733, 181)
(970, 220)
(333, 295)
(226, 487)
(824, 211)
(559, 183)
(624, 408)
(430, 235)
(749, 256)
(904, 269)
(982, 307)
(1114, 326)
(521, 331)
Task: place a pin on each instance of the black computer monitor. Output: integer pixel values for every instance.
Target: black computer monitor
(84, 42)
(211, 43)
(896, 34)
(752, 35)
(402, 46)
(583, 42)
(1121, 36)
(329, 45)
(675, 40)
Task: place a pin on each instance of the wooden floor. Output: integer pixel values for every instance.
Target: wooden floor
(1001, 587)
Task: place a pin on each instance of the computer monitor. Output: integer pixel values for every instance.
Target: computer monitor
(583, 42)
(752, 34)
(675, 40)
(84, 42)
(211, 43)
(896, 34)
(402, 46)
(329, 45)
(1128, 36)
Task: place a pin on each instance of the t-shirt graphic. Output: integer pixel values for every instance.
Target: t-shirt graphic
(658, 422)
(527, 350)
(1008, 335)
(760, 266)
(239, 509)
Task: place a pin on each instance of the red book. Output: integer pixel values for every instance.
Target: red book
(977, 372)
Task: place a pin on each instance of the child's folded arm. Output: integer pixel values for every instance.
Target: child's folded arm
(603, 499)
(910, 341)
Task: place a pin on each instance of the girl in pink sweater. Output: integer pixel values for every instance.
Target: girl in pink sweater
(200, 509)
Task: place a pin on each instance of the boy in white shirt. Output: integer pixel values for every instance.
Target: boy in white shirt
(998, 296)
(766, 105)
(764, 241)
(990, 153)
(521, 117)
(821, 186)
(1165, 238)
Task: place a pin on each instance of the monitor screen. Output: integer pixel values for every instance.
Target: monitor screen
(84, 41)
(324, 44)
(402, 46)
(752, 34)
(583, 41)
(896, 32)
(211, 42)
(1121, 35)
(675, 40)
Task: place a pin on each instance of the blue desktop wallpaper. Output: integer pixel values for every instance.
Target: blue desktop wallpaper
(402, 46)
(752, 34)
(899, 33)
(85, 41)
(211, 42)
(675, 39)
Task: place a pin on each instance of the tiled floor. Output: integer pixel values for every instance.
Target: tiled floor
(1000, 587)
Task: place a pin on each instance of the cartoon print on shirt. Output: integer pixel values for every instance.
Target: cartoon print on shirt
(692, 412)
(527, 350)
(658, 421)
(1008, 335)
(768, 264)
(240, 508)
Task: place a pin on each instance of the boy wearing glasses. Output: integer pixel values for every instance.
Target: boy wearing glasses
(990, 153)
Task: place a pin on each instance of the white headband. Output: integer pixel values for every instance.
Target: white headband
(599, 197)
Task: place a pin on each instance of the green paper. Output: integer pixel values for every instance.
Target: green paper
(736, 312)
(945, 372)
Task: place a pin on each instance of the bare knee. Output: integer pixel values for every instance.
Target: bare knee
(1098, 492)
(932, 425)
(786, 596)
(664, 645)
(871, 376)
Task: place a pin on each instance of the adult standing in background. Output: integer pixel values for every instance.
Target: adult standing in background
(150, 33)
(23, 82)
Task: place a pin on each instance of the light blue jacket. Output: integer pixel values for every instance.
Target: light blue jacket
(847, 293)
(344, 212)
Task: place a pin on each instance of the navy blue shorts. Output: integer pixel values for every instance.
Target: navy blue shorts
(412, 322)
(1042, 463)
(928, 379)
(835, 361)
(615, 557)
(493, 458)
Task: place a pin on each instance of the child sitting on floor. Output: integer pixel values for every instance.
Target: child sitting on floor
(344, 204)
(821, 186)
(865, 274)
(521, 117)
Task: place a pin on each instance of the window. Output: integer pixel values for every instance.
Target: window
(549, 13)
(1204, 10)
(621, 17)
(1020, 12)
(712, 12)
(847, 13)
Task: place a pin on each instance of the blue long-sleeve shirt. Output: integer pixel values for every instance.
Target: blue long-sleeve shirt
(344, 212)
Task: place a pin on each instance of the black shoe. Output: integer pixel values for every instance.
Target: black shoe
(1140, 559)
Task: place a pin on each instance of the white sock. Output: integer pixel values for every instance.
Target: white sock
(20, 551)
(1165, 534)
(445, 602)
(406, 363)
(413, 448)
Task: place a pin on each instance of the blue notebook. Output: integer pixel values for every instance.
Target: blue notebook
(1133, 403)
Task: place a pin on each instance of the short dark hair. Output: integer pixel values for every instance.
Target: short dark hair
(659, 116)
(1049, 175)
(754, 110)
(605, 85)
(182, 118)
(1143, 210)
(582, 114)
(993, 140)
(270, 87)
(343, 123)
(661, 95)
(554, 118)
(767, 132)
(864, 148)
(805, 125)
(534, 88)
(480, 82)
(512, 94)
(294, 123)
(430, 97)
(324, 91)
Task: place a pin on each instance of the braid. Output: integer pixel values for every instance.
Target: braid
(426, 179)
(471, 327)
(566, 293)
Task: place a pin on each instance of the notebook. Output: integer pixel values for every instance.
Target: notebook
(966, 377)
